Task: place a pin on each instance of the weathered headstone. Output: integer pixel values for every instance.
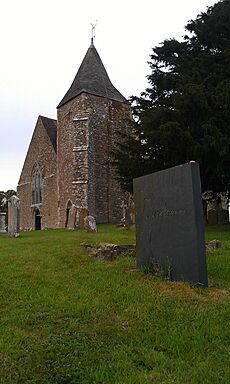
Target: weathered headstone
(223, 216)
(218, 211)
(212, 216)
(128, 219)
(83, 212)
(2, 222)
(13, 216)
(90, 224)
(170, 224)
(72, 217)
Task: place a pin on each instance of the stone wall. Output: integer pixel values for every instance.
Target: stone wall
(105, 126)
(40, 154)
(72, 162)
(87, 128)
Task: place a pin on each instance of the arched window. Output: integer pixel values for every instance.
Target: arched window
(36, 186)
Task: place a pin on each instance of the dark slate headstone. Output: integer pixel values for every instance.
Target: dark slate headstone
(170, 224)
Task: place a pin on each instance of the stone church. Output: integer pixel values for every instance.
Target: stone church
(68, 163)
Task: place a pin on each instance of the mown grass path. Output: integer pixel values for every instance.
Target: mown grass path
(67, 318)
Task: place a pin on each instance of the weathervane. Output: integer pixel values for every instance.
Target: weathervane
(93, 31)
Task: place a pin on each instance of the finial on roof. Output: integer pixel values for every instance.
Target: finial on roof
(93, 31)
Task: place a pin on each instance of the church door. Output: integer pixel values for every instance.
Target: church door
(37, 220)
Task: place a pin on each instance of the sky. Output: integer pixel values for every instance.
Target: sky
(43, 43)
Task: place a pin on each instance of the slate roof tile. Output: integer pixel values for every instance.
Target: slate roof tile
(50, 126)
(92, 78)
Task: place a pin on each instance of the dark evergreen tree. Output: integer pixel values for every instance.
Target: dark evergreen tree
(4, 196)
(184, 114)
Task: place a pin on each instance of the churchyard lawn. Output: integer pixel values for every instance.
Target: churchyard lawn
(68, 318)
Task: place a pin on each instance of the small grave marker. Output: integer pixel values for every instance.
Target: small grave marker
(90, 224)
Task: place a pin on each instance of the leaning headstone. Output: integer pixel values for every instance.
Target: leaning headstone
(13, 216)
(2, 222)
(170, 224)
(72, 217)
(90, 224)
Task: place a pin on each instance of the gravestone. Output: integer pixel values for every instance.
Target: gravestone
(90, 224)
(212, 216)
(218, 211)
(13, 216)
(72, 217)
(223, 216)
(170, 224)
(128, 218)
(2, 222)
(83, 212)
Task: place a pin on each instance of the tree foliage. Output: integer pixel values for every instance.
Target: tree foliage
(4, 197)
(184, 114)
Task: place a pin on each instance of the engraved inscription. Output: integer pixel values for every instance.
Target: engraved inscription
(166, 213)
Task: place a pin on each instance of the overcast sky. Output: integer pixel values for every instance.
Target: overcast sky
(43, 43)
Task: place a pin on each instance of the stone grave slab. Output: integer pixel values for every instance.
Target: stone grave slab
(83, 212)
(170, 224)
(72, 217)
(13, 216)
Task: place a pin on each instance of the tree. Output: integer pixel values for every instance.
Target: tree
(184, 114)
(4, 197)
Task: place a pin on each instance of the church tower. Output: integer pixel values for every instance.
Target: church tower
(89, 117)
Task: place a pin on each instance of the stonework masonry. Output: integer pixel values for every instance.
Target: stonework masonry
(40, 154)
(68, 163)
(86, 133)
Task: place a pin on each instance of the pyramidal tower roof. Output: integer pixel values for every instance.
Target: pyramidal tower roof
(92, 78)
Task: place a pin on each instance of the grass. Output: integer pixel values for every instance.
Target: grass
(67, 318)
